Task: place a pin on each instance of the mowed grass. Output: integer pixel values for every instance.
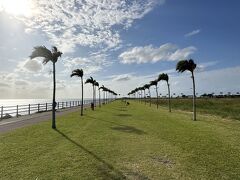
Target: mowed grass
(224, 107)
(124, 142)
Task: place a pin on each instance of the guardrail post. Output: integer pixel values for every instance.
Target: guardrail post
(46, 106)
(29, 110)
(1, 112)
(70, 103)
(58, 105)
(17, 112)
(38, 107)
(62, 105)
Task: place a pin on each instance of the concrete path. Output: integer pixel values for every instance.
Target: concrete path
(14, 123)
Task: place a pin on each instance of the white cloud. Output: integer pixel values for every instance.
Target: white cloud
(28, 30)
(87, 23)
(33, 65)
(30, 65)
(204, 66)
(90, 65)
(4, 85)
(146, 54)
(21, 83)
(194, 32)
(122, 77)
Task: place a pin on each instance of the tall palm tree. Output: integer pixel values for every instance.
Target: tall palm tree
(189, 65)
(155, 83)
(96, 84)
(164, 77)
(91, 81)
(47, 55)
(147, 86)
(79, 73)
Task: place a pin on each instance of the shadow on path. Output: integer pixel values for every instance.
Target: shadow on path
(109, 172)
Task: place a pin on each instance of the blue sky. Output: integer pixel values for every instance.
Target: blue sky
(122, 44)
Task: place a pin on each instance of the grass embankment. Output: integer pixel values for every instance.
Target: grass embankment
(224, 107)
(124, 142)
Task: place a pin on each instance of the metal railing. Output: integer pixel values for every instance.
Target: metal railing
(19, 110)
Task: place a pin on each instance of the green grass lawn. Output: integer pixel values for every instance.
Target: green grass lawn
(224, 107)
(124, 142)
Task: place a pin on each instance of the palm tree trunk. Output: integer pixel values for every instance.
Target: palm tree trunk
(82, 97)
(99, 98)
(169, 96)
(53, 101)
(93, 97)
(144, 97)
(150, 96)
(194, 99)
(94, 89)
(104, 99)
(157, 95)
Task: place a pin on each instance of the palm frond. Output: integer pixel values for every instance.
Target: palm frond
(96, 83)
(184, 65)
(154, 83)
(90, 80)
(181, 66)
(77, 72)
(42, 51)
(146, 86)
(163, 77)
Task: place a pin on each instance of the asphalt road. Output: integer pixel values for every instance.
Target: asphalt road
(14, 123)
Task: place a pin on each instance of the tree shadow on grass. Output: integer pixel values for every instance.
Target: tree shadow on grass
(128, 129)
(110, 110)
(121, 127)
(109, 171)
(123, 115)
(121, 109)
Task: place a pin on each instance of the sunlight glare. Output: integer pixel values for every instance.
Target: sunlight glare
(17, 7)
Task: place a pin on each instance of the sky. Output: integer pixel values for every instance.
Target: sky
(123, 44)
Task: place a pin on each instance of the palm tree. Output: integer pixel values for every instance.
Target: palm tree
(96, 84)
(79, 73)
(144, 90)
(141, 89)
(103, 89)
(147, 86)
(165, 77)
(91, 81)
(189, 65)
(47, 55)
(155, 83)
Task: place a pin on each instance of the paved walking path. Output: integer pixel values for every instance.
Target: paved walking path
(14, 123)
